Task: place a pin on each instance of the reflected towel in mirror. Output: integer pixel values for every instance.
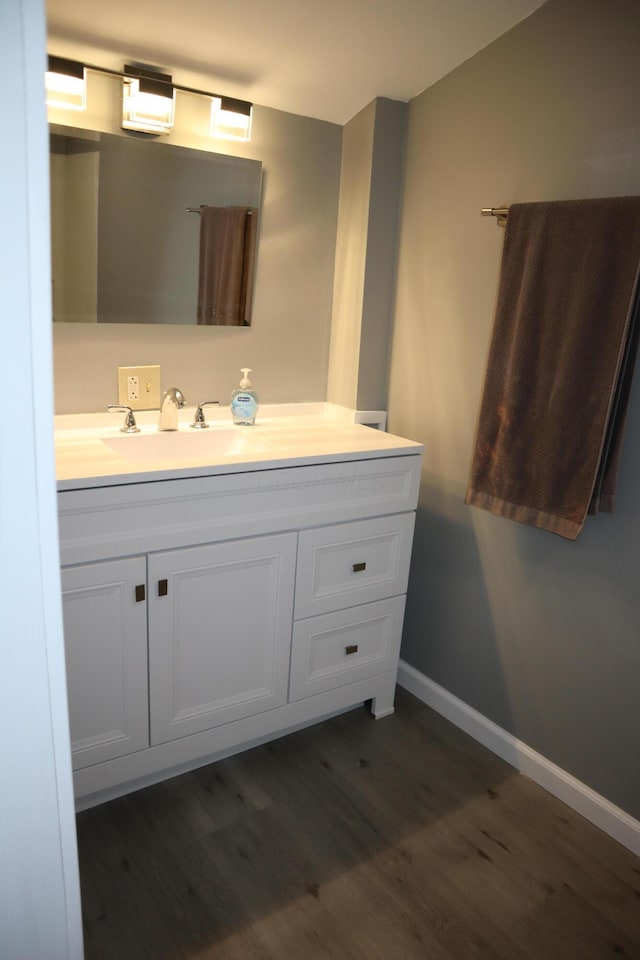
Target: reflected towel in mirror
(227, 262)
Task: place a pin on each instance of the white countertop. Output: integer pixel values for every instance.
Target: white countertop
(283, 436)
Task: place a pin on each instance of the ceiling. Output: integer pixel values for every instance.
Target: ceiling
(325, 59)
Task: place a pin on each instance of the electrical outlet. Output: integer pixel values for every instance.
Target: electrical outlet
(133, 389)
(139, 387)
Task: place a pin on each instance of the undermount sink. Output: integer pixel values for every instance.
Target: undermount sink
(177, 445)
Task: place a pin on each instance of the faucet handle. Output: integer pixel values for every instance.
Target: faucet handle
(130, 425)
(199, 422)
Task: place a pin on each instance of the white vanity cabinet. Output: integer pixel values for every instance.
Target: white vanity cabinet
(206, 614)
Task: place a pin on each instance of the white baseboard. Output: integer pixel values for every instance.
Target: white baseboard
(581, 798)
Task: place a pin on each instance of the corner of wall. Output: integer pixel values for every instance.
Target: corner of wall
(365, 267)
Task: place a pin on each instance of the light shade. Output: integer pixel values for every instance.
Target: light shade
(65, 84)
(230, 118)
(148, 101)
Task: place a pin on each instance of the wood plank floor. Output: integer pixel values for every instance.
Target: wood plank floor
(401, 838)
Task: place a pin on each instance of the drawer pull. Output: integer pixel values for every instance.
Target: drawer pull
(163, 588)
(359, 567)
(140, 592)
(351, 648)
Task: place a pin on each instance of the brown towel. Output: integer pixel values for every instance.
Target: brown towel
(560, 363)
(227, 256)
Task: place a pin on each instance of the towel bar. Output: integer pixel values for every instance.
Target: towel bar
(197, 210)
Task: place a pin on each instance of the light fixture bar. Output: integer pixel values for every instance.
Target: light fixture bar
(148, 98)
(151, 81)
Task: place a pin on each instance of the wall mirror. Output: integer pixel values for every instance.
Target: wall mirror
(126, 229)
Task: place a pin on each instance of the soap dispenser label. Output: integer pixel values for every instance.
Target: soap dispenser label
(244, 405)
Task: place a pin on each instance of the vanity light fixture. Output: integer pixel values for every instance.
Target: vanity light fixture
(148, 100)
(65, 84)
(231, 118)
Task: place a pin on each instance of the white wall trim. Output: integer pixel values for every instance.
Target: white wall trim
(40, 907)
(577, 795)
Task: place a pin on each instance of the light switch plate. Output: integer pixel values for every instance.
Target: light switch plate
(139, 387)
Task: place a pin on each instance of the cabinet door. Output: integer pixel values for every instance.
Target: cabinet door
(105, 636)
(219, 633)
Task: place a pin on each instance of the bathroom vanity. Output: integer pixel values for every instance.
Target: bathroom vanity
(226, 586)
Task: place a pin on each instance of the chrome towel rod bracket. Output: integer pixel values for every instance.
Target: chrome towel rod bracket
(499, 212)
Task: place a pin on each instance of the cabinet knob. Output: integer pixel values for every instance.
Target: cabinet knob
(141, 593)
(351, 648)
(163, 588)
(359, 567)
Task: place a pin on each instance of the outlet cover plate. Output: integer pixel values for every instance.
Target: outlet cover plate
(148, 387)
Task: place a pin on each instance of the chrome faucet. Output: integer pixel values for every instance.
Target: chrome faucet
(172, 401)
(129, 425)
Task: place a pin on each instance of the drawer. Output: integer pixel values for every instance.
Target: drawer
(339, 648)
(350, 563)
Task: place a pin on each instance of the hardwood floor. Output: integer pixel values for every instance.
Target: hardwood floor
(401, 838)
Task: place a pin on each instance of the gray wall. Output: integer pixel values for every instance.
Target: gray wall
(382, 241)
(539, 634)
(287, 344)
(364, 286)
(351, 256)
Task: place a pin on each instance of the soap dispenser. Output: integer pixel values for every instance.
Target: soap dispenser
(244, 401)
